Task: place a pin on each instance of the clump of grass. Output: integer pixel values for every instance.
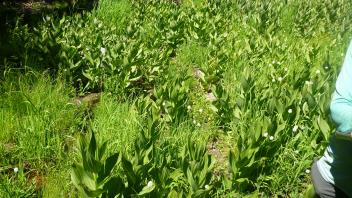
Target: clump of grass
(36, 118)
(117, 122)
(192, 54)
(113, 12)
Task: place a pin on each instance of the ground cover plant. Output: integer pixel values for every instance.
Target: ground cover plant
(170, 98)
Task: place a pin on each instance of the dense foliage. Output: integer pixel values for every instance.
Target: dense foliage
(200, 98)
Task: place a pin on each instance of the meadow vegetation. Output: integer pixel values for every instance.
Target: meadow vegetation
(198, 98)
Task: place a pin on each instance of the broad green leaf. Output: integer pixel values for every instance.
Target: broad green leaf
(87, 75)
(147, 189)
(102, 150)
(324, 127)
(93, 193)
(191, 180)
(146, 159)
(114, 186)
(92, 145)
(128, 170)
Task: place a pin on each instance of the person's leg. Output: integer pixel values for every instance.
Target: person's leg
(339, 193)
(322, 188)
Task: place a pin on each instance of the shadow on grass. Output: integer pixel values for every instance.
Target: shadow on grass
(30, 13)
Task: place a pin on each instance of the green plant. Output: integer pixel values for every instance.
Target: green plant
(147, 171)
(93, 175)
(270, 68)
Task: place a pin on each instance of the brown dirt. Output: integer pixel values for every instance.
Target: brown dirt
(220, 154)
(37, 178)
(90, 99)
(30, 6)
(9, 147)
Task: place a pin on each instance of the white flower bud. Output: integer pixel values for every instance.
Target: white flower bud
(309, 83)
(295, 128)
(150, 184)
(103, 51)
(15, 170)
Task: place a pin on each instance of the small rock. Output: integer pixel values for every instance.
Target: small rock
(198, 74)
(210, 97)
(89, 99)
